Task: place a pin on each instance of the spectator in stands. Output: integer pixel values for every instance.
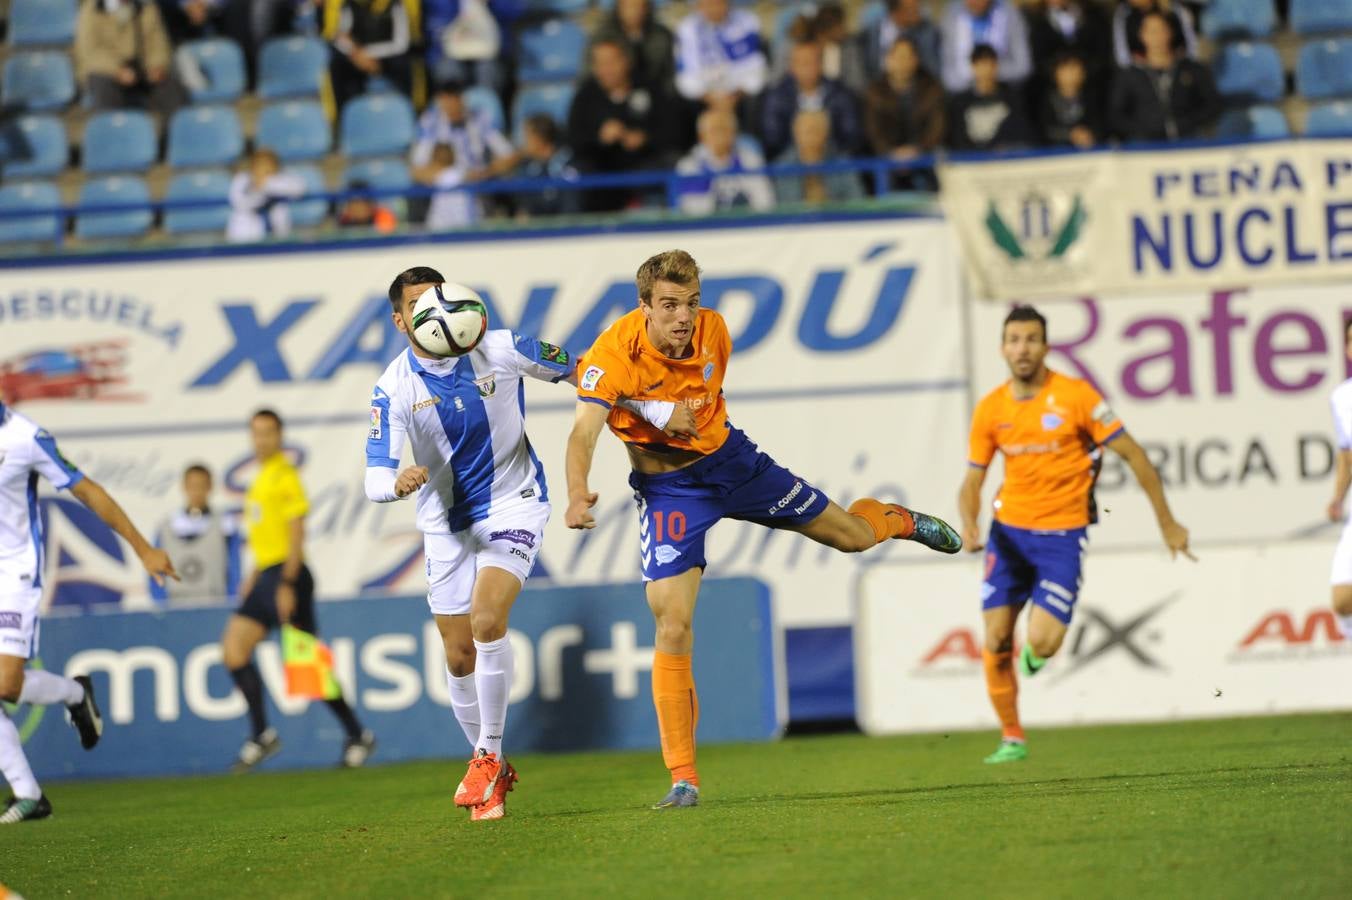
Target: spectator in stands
(824, 26)
(464, 40)
(613, 125)
(362, 210)
(651, 45)
(990, 114)
(904, 115)
(812, 146)
(258, 199)
(123, 56)
(904, 19)
(543, 156)
(994, 23)
(249, 23)
(724, 172)
(371, 38)
(1076, 26)
(1164, 95)
(805, 88)
(480, 148)
(204, 543)
(1127, 47)
(449, 208)
(1070, 114)
(719, 58)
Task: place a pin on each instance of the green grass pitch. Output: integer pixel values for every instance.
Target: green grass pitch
(1257, 807)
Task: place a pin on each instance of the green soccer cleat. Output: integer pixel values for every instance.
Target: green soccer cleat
(1009, 751)
(931, 531)
(682, 794)
(1029, 662)
(17, 810)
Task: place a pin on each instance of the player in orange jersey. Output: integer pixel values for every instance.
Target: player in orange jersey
(671, 349)
(1050, 427)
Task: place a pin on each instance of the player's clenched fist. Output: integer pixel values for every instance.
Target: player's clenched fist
(682, 423)
(971, 539)
(579, 514)
(410, 480)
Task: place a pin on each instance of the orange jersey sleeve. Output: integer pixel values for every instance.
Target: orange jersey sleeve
(981, 442)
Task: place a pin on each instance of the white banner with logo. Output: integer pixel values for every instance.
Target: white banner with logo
(1245, 630)
(1120, 221)
(848, 368)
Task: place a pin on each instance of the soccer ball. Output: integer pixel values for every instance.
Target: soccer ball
(449, 320)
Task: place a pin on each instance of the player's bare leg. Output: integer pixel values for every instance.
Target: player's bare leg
(672, 601)
(869, 522)
(1342, 606)
(1002, 684)
(40, 688)
(242, 634)
(1045, 634)
(495, 590)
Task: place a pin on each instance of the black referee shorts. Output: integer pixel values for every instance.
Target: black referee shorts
(261, 603)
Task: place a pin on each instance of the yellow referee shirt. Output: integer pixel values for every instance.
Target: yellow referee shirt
(274, 499)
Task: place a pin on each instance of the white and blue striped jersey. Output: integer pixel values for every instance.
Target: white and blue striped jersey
(726, 56)
(26, 452)
(465, 420)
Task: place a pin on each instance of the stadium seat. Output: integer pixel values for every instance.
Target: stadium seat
(29, 195)
(119, 141)
(132, 223)
(551, 99)
(1320, 16)
(381, 175)
(485, 100)
(1327, 119)
(309, 213)
(292, 67)
(37, 81)
(204, 136)
(33, 147)
(551, 51)
(1324, 69)
(1253, 122)
(1247, 71)
(1228, 19)
(294, 130)
(41, 23)
(206, 185)
(377, 125)
(222, 63)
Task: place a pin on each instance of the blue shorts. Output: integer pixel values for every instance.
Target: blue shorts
(1042, 566)
(736, 481)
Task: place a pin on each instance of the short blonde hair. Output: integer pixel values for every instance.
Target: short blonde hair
(675, 266)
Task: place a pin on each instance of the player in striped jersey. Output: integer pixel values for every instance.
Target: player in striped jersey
(1341, 576)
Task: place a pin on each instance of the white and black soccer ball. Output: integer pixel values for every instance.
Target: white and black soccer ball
(449, 320)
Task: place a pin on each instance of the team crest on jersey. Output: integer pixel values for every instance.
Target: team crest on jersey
(1051, 421)
(591, 377)
(708, 371)
(551, 353)
(486, 385)
(459, 405)
(374, 433)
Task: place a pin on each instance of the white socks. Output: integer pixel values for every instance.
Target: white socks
(14, 764)
(1346, 623)
(43, 688)
(465, 705)
(493, 680)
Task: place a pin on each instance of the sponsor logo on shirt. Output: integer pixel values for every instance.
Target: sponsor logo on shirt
(423, 404)
(11, 620)
(591, 377)
(515, 535)
(486, 385)
(374, 433)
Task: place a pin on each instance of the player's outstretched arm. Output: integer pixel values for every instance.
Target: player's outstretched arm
(587, 425)
(1342, 481)
(1175, 535)
(156, 561)
(384, 486)
(969, 507)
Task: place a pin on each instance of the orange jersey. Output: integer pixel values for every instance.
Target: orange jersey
(623, 363)
(1048, 443)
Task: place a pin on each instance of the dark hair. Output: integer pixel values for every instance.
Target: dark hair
(1025, 314)
(451, 86)
(829, 15)
(415, 275)
(984, 51)
(268, 414)
(1065, 58)
(198, 468)
(622, 46)
(544, 127)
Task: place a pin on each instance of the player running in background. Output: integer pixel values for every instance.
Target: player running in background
(26, 453)
(280, 590)
(1341, 577)
(205, 542)
(671, 349)
(482, 505)
(1050, 428)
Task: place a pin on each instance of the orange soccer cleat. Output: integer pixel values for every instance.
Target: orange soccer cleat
(476, 788)
(496, 807)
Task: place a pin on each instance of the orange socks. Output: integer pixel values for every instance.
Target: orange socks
(888, 520)
(677, 713)
(1003, 688)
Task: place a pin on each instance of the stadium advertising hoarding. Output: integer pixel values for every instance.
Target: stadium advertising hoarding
(848, 344)
(1245, 630)
(583, 658)
(1122, 221)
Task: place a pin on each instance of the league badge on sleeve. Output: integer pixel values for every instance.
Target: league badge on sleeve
(374, 433)
(1103, 414)
(590, 378)
(552, 353)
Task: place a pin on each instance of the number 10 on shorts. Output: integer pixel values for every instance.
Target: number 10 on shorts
(669, 525)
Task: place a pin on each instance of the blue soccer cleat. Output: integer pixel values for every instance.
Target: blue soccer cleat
(682, 794)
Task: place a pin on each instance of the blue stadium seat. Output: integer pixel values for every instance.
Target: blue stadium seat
(119, 141)
(1228, 19)
(1330, 119)
(222, 62)
(292, 67)
(1320, 16)
(551, 51)
(557, 7)
(551, 99)
(33, 146)
(485, 100)
(1253, 122)
(204, 136)
(309, 213)
(294, 130)
(29, 195)
(205, 185)
(377, 125)
(37, 81)
(1246, 71)
(382, 174)
(1324, 69)
(114, 189)
(41, 23)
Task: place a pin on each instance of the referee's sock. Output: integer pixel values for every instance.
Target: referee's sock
(251, 686)
(345, 715)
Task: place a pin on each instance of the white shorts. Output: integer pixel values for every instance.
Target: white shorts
(1342, 558)
(19, 622)
(509, 540)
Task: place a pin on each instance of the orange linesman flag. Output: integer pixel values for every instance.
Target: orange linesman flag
(309, 666)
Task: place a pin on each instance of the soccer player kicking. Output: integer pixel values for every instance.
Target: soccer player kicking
(1341, 577)
(1050, 427)
(482, 505)
(280, 590)
(671, 349)
(27, 452)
